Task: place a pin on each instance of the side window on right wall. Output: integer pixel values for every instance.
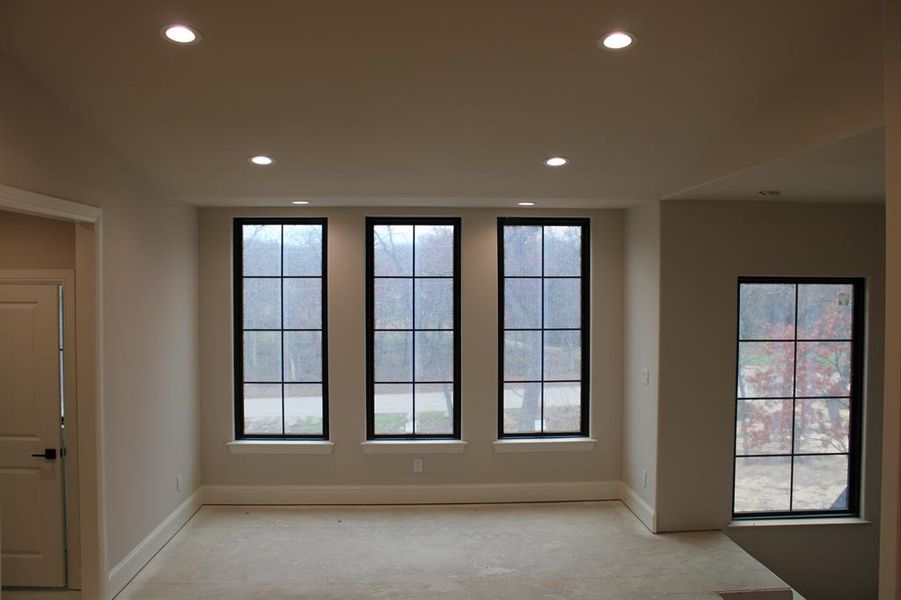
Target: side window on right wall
(543, 282)
(798, 397)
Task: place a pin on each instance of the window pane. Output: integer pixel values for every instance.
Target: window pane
(303, 250)
(824, 368)
(303, 356)
(562, 407)
(393, 248)
(522, 306)
(435, 408)
(822, 425)
(393, 303)
(434, 303)
(522, 407)
(435, 250)
(562, 250)
(762, 484)
(767, 311)
(393, 354)
(262, 409)
(562, 355)
(434, 356)
(262, 303)
(765, 369)
(522, 355)
(825, 311)
(522, 250)
(303, 409)
(821, 483)
(262, 249)
(303, 303)
(393, 411)
(262, 356)
(562, 303)
(764, 427)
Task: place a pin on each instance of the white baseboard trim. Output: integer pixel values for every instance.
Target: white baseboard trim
(641, 509)
(412, 494)
(122, 573)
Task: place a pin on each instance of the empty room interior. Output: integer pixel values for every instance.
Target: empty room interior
(454, 300)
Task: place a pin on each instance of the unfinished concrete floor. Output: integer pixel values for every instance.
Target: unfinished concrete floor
(590, 550)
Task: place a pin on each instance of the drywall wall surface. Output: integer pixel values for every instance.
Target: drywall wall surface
(149, 303)
(890, 567)
(705, 247)
(479, 463)
(642, 310)
(28, 242)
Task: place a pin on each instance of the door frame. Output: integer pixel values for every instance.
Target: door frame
(88, 379)
(66, 279)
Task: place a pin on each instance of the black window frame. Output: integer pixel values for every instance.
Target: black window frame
(585, 324)
(238, 332)
(371, 223)
(855, 425)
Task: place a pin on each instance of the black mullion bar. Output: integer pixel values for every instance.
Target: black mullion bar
(288, 329)
(286, 382)
(791, 488)
(542, 329)
(796, 398)
(540, 380)
(545, 277)
(760, 341)
(407, 330)
(783, 455)
(282, 276)
(282, 316)
(411, 276)
(413, 321)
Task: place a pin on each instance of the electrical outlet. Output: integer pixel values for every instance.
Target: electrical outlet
(644, 480)
(646, 376)
(178, 483)
(417, 465)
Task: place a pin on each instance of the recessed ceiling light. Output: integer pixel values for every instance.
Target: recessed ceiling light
(526, 203)
(299, 202)
(556, 161)
(261, 160)
(181, 34)
(616, 40)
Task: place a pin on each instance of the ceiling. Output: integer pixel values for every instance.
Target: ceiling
(410, 102)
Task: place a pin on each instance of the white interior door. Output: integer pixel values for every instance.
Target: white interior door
(31, 487)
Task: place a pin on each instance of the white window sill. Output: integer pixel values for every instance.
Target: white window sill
(545, 445)
(799, 522)
(413, 446)
(280, 447)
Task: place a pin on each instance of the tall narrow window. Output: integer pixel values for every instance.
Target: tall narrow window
(798, 396)
(543, 286)
(281, 374)
(413, 327)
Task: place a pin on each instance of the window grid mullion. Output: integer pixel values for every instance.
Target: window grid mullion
(791, 488)
(281, 282)
(413, 335)
(542, 329)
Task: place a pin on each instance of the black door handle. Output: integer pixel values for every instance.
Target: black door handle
(49, 454)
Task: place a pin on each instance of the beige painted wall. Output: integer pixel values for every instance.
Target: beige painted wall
(149, 301)
(705, 246)
(889, 585)
(642, 340)
(348, 465)
(28, 242)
